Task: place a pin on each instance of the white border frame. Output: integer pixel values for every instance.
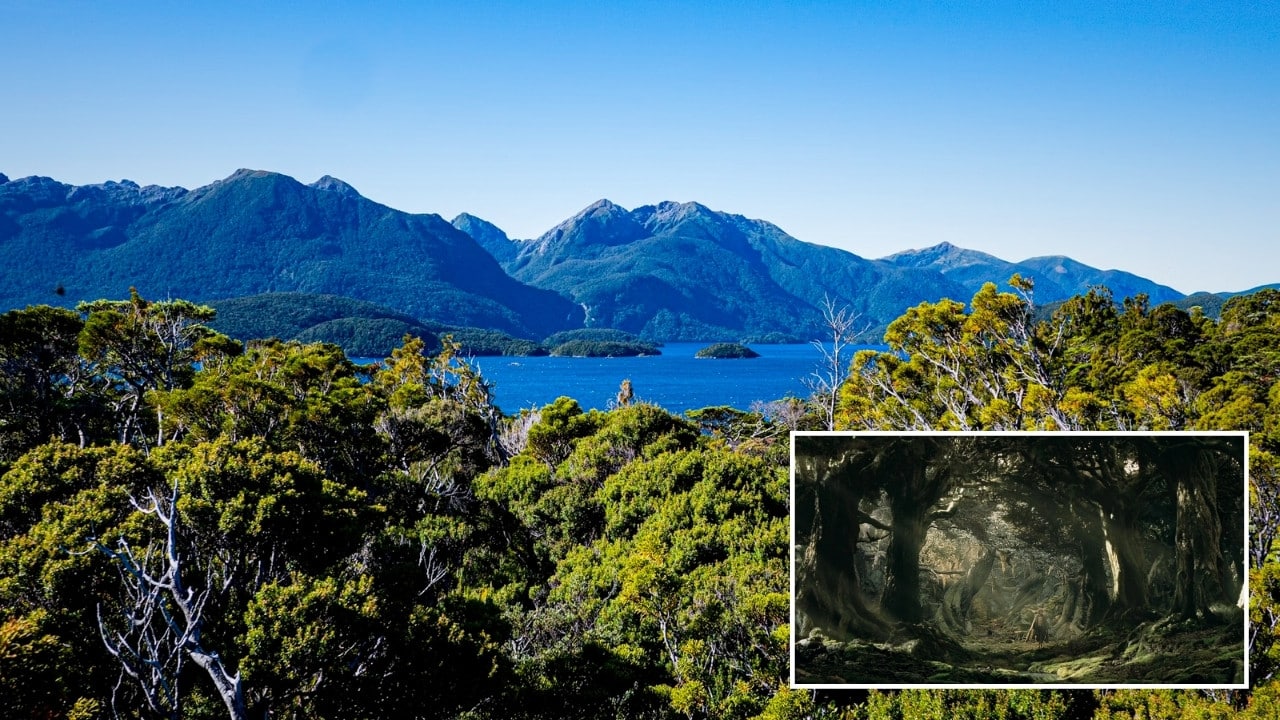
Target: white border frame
(791, 537)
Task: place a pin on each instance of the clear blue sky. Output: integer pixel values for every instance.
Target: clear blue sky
(1143, 136)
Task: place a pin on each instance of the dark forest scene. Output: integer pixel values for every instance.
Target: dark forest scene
(999, 559)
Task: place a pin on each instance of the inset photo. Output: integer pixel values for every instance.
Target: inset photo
(1072, 560)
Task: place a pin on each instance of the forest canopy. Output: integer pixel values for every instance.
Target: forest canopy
(193, 526)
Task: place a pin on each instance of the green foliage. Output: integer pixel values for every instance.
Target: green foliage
(43, 380)
(1161, 705)
(585, 682)
(559, 425)
(973, 705)
(338, 648)
(604, 348)
(149, 345)
(478, 343)
(751, 433)
(362, 329)
(52, 501)
(370, 550)
(135, 347)
(1264, 617)
(315, 502)
(247, 504)
(362, 337)
(302, 628)
(31, 666)
(310, 398)
(996, 367)
(727, 351)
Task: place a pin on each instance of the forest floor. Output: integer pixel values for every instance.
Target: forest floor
(1158, 652)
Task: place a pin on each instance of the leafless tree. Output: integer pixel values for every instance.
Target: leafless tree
(514, 433)
(783, 415)
(824, 384)
(1264, 519)
(163, 619)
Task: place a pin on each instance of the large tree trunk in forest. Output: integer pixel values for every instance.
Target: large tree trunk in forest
(1122, 541)
(902, 585)
(1200, 575)
(913, 491)
(828, 591)
(1095, 597)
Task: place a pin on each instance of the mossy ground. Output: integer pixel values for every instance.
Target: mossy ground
(1162, 652)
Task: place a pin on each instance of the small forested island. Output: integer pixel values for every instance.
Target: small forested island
(727, 351)
(194, 526)
(599, 342)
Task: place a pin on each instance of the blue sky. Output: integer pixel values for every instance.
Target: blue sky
(1142, 136)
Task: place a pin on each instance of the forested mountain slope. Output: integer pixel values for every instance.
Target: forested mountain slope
(251, 233)
(677, 271)
(671, 271)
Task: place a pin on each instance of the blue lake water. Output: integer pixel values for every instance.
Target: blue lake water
(676, 380)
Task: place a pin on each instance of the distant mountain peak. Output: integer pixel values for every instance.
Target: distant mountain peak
(329, 183)
(684, 218)
(3, 178)
(942, 248)
(603, 207)
(472, 225)
(669, 209)
(490, 236)
(601, 223)
(943, 256)
(245, 173)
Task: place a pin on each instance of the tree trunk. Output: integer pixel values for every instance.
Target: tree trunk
(828, 589)
(915, 484)
(1095, 597)
(230, 688)
(1122, 542)
(1198, 568)
(902, 585)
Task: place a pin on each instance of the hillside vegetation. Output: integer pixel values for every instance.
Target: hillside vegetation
(361, 329)
(256, 232)
(195, 527)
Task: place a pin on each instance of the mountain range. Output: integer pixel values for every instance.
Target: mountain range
(671, 271)
(255, 232)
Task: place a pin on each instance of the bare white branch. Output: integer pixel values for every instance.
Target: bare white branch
(161, 619)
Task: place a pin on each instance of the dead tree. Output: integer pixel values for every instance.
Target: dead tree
(163, 619)
(825, 382)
